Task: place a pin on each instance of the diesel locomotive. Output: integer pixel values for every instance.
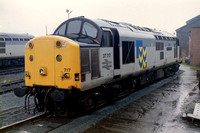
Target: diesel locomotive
(12, 49)
(86, 59)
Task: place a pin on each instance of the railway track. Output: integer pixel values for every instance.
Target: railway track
(19, 123)
(11, 71)
(14, 119)
(38, 123)
(10, 86)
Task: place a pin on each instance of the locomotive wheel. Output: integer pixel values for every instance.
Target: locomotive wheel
(88, 102)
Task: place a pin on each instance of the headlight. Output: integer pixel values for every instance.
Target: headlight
(43, 71)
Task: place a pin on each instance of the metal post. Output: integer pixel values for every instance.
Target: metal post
(68, 12)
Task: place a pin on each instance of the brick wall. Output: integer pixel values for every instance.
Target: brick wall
(195, 46)
(183, 34)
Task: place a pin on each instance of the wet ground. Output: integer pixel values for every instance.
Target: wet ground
(159, 111)
(12, 107)
(157, 108)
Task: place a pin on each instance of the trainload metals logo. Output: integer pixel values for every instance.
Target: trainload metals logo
(141, 54)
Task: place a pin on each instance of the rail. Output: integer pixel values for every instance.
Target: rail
(9, 127)
(11, 71)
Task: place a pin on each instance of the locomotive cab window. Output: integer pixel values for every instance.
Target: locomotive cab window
(74, 27)
(89, 30)
(61, 30)
(82, 31)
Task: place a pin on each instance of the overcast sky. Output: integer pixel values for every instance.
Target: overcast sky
(32, 16)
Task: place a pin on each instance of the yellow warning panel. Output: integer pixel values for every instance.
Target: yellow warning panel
(52, 61)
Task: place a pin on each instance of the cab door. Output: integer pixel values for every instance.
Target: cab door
(111, 40)
(116, 49)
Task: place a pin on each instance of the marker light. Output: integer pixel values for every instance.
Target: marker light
(31, 57)
(76, 76)
(27, 74)
(58, 44)
(43, 71)
(30, 45)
